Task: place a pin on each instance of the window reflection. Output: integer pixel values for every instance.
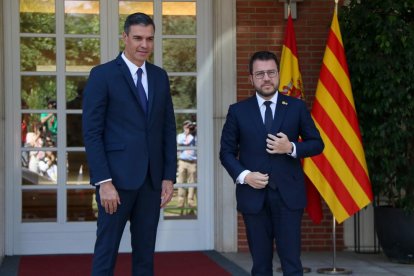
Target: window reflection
(81, 17)
(37, 91)
(179, 18)
(82, 54)
(179, 54)
(184, 92)
(174, 211)
(74, 130)
(37, 16)
(74, 91)
(39, 165)
(38, 54)
(39, 206)
(81, 205)
(77, 168)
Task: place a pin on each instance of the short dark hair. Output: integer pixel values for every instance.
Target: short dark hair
(262, 55)
(138, 18)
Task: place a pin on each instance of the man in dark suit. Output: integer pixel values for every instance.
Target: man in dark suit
(261, 150)
(129, 133)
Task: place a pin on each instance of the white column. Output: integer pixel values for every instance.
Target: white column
(2, 130)
(225, 92)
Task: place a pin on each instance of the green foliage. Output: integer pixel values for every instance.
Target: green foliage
(378, 37)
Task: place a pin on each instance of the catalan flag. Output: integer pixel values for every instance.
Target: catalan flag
(291, 84)
(340, 173)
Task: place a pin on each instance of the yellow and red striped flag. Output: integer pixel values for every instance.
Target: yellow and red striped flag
(290, 78)
(291, 84)
(340, 173)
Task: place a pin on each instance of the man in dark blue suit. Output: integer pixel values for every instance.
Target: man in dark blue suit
(261, 150)
(129, 133)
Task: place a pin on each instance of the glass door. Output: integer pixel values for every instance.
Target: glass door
(60, 41)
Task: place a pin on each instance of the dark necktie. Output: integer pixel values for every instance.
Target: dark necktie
(268, 116)
(141, 91)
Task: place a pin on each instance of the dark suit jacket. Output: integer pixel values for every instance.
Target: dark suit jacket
(243, 147)
(121, 142)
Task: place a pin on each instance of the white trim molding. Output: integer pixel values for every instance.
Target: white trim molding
(225, 92)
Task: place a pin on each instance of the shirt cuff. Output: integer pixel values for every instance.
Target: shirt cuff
(103, 181)
(293, 153)
(241, 177)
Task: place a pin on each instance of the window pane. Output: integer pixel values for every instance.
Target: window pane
(82, 205)
(179, 18)
(181, 117)
(82, 54)
(128, 7)
(183, 204)
(37, 54)
(37, 16)
(183, 91)
(179, 55)
(39, 205)
(81, 17)
(74, 130)
(77, 168)
(39, 167)
(37, 91)
(74, 91)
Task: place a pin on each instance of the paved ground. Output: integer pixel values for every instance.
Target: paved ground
(359, 264)
(239, 264)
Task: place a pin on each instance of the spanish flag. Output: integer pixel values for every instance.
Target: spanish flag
(290, 78)
(340, 173)
(291, 84)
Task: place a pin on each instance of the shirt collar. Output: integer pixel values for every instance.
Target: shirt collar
(132, 67)
(261, 101)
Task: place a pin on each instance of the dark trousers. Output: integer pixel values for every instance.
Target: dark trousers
(274, 222)
(142, 208)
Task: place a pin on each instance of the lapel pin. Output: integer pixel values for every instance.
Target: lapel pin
(284, 103)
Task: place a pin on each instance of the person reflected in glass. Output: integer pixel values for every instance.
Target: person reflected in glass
(187, 164)
(129, 133)
(35, 139)
(261, 151)
(48, 164)
(49, 120)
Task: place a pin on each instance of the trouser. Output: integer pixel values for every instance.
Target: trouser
(275, 222)
(142, 208)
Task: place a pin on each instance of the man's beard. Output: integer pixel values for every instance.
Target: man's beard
(264, 93)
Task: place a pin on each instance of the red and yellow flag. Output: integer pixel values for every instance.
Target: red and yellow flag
(291, 84)
(290, 78)
(340, 173)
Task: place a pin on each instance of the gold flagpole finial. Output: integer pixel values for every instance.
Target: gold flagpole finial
(288, 7)
(336, 6)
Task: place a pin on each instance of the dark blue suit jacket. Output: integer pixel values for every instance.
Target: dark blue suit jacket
(243, 147)
(122, 142)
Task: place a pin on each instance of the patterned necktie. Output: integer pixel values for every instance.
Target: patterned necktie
(141, 92)
(268, 116)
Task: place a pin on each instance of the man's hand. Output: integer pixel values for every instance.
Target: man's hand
(109, 197)
(278, 144)
(257, 180)
(167, 192)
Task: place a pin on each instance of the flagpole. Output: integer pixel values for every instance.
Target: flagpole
(334, 270)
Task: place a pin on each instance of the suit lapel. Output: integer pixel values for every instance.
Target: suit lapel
(281, 107)
(254, 114)
(127, 75)
(151, 83)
